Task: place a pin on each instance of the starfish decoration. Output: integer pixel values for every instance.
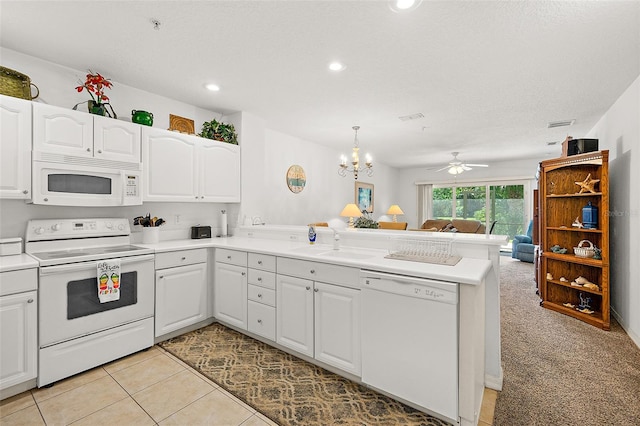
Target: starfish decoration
(588, 184)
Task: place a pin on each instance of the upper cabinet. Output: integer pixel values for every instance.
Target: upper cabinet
(15, 148)
(64, 131)
(185, 168)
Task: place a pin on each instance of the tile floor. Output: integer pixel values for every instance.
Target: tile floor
(146, 388)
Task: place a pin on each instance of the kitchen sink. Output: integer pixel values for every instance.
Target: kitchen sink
(346, 254)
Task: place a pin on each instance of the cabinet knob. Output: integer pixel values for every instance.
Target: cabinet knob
(229, 257)
(313, 271)
(308, 288)
(99, 151)
(184, 258)
(260, 279)
(259, 294)
(26, 191)
(259, 321)
(161, 276)
(46, 199)
(315, 289)
(259, 262)
(244, 273)
(196, 197)
(30, 301)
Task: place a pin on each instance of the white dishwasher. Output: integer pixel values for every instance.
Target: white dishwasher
(410, 340)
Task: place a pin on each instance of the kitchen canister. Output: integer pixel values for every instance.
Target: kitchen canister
(150, 235)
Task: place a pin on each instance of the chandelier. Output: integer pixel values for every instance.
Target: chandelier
(355, 167)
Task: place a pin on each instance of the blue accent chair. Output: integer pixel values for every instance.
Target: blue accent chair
(522, 247)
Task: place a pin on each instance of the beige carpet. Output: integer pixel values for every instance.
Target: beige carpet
(286, 389)
(558, 370)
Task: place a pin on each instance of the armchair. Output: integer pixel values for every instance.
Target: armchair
(522, 246)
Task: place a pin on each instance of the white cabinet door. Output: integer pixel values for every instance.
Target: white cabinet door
(15, 148)
(337, 326)
(116, 139)
(294, 313)
(62, 131)
(181, 297)
(18, 342)
(230, 294)
(220, 172)
(170, 164)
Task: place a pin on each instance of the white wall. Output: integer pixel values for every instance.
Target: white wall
(619, 132)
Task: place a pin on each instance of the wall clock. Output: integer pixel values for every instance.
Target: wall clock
(296, 179)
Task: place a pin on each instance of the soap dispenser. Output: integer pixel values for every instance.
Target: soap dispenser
(312, 234)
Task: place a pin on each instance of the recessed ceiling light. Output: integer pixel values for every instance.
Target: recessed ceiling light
(212, 87)
(337, 66)
(403, 5)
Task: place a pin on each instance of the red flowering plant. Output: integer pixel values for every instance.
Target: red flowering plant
(96, 84)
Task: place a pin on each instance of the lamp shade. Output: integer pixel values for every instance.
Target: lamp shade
(395, 209)
(351, 210)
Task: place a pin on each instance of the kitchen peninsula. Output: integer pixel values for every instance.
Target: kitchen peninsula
(270, 283)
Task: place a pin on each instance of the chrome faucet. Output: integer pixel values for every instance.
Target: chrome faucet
(336, 239)
(257, 220)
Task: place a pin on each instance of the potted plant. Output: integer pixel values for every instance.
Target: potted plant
(219, 131)
(95, 84)
(365, 221)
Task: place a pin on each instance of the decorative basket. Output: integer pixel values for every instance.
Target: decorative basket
(583, 251)
(18, 85)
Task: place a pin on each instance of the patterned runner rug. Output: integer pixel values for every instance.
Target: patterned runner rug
(286, 389)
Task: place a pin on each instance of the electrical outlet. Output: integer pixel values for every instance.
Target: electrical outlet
(176, 219)
(293, 237)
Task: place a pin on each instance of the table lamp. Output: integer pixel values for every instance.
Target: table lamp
(351, 211)
(394, 210)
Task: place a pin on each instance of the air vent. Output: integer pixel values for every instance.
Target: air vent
(563, 123)
(412, 116)
(553, 143)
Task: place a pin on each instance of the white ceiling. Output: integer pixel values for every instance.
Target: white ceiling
(487, 75)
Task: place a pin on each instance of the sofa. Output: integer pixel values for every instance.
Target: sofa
(522, 247)
(466, 226)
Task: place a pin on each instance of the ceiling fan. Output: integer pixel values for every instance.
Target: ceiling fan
(456, 166)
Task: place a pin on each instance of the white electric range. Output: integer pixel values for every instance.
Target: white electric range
(76, 331)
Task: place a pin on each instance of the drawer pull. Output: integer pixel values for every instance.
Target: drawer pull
(315, 289)
(313, 271)
(30, 301)
(229, 257)
(260, 295)
(259, 321)
(308, 288)
(259, 278)
(259, 262)
(184, 258)
(244, 273)
(161, 276)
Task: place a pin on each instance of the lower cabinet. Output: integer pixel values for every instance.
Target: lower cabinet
(18, 328)
(230, 288)
(319, 320)
(181, 291)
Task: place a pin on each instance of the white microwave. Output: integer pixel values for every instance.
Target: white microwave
(62, 180)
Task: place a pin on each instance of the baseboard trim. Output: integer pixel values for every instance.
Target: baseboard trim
(493, 382)
(634, 337)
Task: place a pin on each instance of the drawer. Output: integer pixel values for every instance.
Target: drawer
(262, 320)
(324, 272)
(18, 281)
(262, 261)
(262, 295)
(233, 257)
(180, 258)
(262, 278)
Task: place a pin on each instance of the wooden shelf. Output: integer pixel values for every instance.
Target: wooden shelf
(584, 194)
(587, 290)
(572, 258)
(574, 229)
(560, 204)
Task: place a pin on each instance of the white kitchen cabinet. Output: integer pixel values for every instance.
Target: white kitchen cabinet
(63, 131)
(18, 327)
(294, 313)
(337, 326)
(188, 168)
(181, 291)
(319, 319)
(230, 288)
(15, 148)
(261, 292)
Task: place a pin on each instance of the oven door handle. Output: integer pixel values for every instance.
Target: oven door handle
(47, 270)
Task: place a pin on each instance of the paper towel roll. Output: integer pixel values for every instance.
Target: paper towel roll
(223, 223)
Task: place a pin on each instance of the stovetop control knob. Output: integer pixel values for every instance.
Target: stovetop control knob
(39, 230)
(109, 225)
(55, 227)
(121, 227)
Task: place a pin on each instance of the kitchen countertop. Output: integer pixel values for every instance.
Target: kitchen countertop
(466, 271)
(16, 262)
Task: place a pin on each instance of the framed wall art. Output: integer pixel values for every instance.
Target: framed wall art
(364, 196)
